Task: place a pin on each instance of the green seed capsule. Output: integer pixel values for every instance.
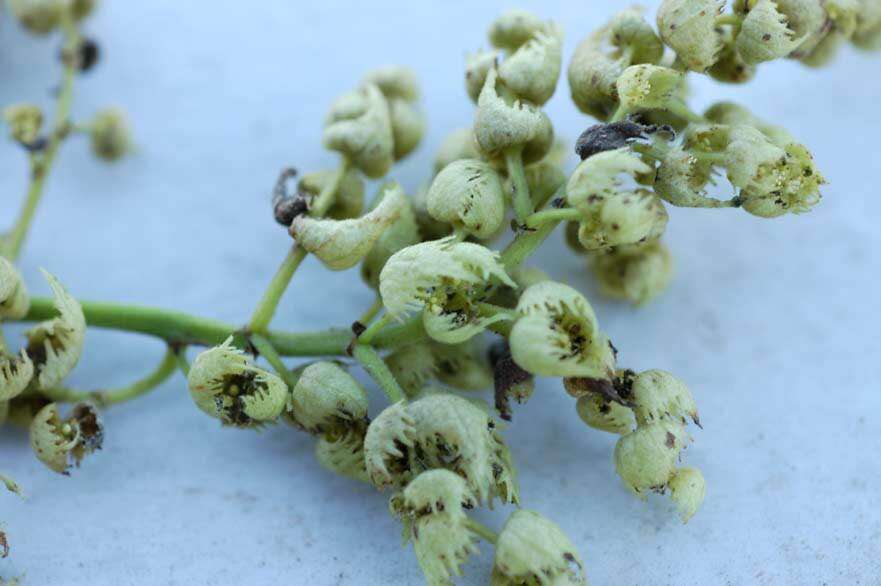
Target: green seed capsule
(533, 550)
(468, 194)
(637, 274)
(687, 490)
(327, 399)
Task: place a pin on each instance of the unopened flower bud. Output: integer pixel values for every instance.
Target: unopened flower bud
(514, 28)
(503, 121)
(765, 33)
(533, 550)
(349, 200)
(468, 194)
(110, 135)
(532, 71)
(636, 274)
(395, 81)
(681, 179)
(659, 396)
(544, 179)
(225, 384)
(463, 366)
(646, 458)
(730, 66)
(689, 28)
(601, 413)
(402, 233)
(59, 443)
(592, 77)
(649, 87)
(429, 228)
(867, 34)
(413, 366)
(38, 16)
(477, 67)
(536, 148)
(55, 345)
(558, 334)
(25, 122)
(359, 126)
(341, 244)
(327, 398)
(14, 299)
(687, 489)
(459, 144)
(408, 126)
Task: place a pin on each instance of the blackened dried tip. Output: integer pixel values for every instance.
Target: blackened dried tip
(89, 54)
(286, 207)
(614, 135)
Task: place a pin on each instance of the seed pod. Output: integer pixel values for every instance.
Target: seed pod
(468, 194)
(532, 70)
(349, 200)
(16, 372)
(395, 81)
(344, 454)
(61, 443)
(327, 399)
(533, 550)
(386, 447)
(110, 135)
(359, 126)
(765, 34)
(457, 145)
(637, 274)
(463, 366)
(687, 489)
(14, 299)
(402, 233)
(341, 244)
(646, 458)
(54, 346)
(649, 87)
(477, 67)
(408, 127)
(25, 122)
(689, 28)
(601, 413)
(412, 365)
(659, 396)
(412, 275)
(514, 28)
(558, 334)
(227, 386)
(503, 121)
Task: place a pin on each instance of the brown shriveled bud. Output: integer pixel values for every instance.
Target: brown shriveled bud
(286, 207)
(510, 381)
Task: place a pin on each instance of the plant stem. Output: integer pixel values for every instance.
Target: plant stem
(180, 328)
(525, 243)
(367, 335)
(552, 215)
(520, 198)
(267, 351)
(482, 531)
(182, 363)
(265, 310)
(502, 328)
(41, 164)
(371, 312)
(377, 369)
(113, 397)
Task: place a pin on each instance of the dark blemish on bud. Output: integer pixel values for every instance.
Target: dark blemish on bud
(671, 440)
(88, 54)
(614, 350)
(506, 374)
(350, 349)
(286, 207)
(358, 328)
(736, 201)
(4, 545)
(766, 37)
(558, 203)
(35, 146)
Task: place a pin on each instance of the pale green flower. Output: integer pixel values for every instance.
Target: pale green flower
(359, 126)
(14, 299)
(110, 135)
(468, 194)
(343, 454)
(503, 121)
(458, 144)
(327, 399)
(387, 447)
(634, 273)
(687, 490)
(646, 458)
(59, 443)
(514, 28)
(689, 28)
(604, 414)
(532, 70)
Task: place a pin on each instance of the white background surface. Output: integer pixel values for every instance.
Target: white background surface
(774, 324)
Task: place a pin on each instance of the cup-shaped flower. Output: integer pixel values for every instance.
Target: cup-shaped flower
(110, 135)
(601, 413)
(765, 33)
(349, 200)
(327, 399)
(459, 144)
(14, 299)
(463, 366)
(659, 396)
(402, 233)
(468, 194)
(16, 372)
(646, 458)
(387, 445)
(649, 87)
(533, 550)
(682, 178)
(687, 489)
(344, 453)
(59, 443)
(502, 120)
(689, 28)
(558, 334)
(359, 126)
(341, 244)
(634, 273)
(437, 524)
(532, 70)
(514, 28)
(395, 81)
(54, 346)
(225, 384)
(25, 122)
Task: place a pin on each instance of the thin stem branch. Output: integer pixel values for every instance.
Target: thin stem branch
(371, 312)
(268, 351)
(520, 198)
(552, 215)
(527, 242)
(502, 328)
(377, 369)
(482, 531)
(367, 335)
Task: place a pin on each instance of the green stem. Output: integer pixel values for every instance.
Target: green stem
(377, 369)
(265, 309)
(182, 363)
(482, 531)
(707, 157)
(40, 165)
(526, 243)
(268, 351)
(552, 215)
(620, 114)
(503, 328)
(371, 312)
(113, 397)
(367, 335)
(180, 328)
(520, 198)
(680, 109)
